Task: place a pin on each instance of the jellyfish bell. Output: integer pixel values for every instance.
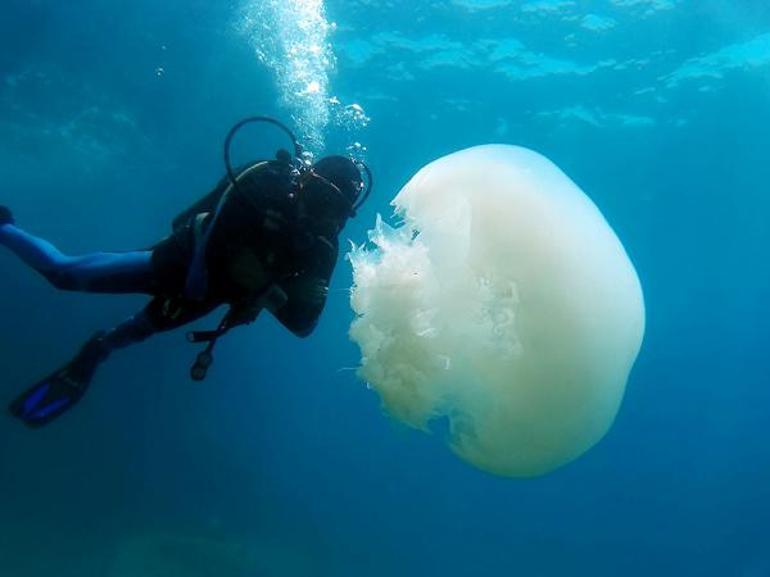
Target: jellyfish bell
(504, 303)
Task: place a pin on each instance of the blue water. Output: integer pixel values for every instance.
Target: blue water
(282, 464)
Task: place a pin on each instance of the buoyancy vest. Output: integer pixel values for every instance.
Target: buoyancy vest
(245, 237)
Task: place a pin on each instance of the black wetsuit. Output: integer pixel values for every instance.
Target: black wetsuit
(261, 242)
(260, 238)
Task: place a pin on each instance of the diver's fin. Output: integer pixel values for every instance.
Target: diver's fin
(48, 399)
(58, 393)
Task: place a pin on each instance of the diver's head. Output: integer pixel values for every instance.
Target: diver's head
(332, 187)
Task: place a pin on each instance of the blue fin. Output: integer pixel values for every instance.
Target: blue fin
(48, 399)
(58, 393)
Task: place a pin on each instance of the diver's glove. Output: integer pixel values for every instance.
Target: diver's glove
(6, 216)
(313, 291)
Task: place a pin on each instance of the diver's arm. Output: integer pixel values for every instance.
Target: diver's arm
(317, 277)
(307, 291)
(311, 286)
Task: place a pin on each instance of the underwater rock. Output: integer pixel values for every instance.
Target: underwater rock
(171, 554)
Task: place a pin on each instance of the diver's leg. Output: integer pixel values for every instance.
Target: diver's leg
(56, 394)
(126, 272)
(160, 315)
(59, 392)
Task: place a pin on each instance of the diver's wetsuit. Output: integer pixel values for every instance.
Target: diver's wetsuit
(261, 239)
(264, 239)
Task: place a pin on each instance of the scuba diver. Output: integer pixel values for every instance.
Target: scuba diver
(266, 237)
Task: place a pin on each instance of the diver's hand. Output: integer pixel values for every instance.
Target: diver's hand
(319, 292)
(313, 290)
